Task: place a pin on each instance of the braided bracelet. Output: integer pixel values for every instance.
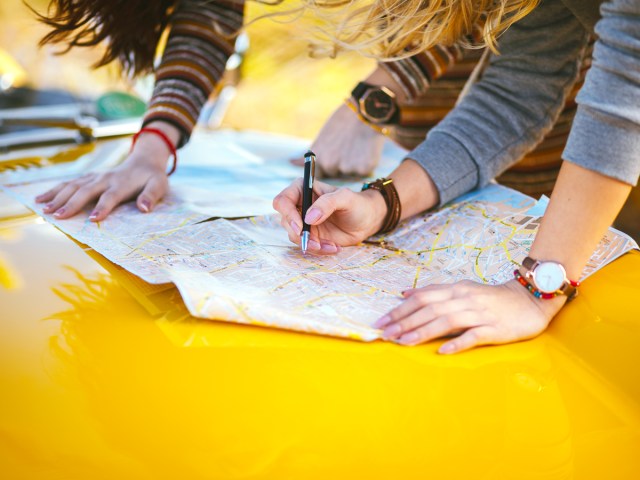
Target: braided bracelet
(166, 141)
(394, 209)
(537, 293)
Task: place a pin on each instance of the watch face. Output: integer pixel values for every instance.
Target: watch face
(549, 277)
(377, 106)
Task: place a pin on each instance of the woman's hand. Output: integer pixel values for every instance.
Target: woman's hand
(478, 314)
(142, 176)
(338, 217)
(346, 146)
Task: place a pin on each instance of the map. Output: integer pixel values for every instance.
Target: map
(247, 271)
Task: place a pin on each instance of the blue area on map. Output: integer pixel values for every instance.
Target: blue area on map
(497, 194)
(539, 208)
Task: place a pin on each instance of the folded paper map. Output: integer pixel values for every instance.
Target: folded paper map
(247, 271)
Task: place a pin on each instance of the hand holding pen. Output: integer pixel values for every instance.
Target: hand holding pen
(307, 196)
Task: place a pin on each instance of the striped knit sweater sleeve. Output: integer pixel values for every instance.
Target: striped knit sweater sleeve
(414, 74)
(200, 42)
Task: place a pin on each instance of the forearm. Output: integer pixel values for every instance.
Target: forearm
(193, 62)
(583, 205)
(381, 77)
(605, 136)
(415, 187)
(509, 110)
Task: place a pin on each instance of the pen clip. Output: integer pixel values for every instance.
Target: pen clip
(311, 157)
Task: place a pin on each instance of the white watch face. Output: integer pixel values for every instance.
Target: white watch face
(549, 277)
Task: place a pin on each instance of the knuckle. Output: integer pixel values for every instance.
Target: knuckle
(420, 298)
(474, 336)
(344, 191)
(108, 199)
(83, 180)
(461, 289)
(326, 202)
(85, 191)
(86, 177)
(420, 335)
(450, 322)
(277, 201)
(362, 169)
(160, 184)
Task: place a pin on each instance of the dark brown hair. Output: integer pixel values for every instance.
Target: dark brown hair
(130, 29)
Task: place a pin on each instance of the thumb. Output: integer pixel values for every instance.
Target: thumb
(327, 204)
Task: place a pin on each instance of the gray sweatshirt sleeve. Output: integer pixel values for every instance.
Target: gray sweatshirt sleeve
(606, 130)
(507, 112)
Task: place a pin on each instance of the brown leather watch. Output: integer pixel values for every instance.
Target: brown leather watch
(394, 210)
(376, 104)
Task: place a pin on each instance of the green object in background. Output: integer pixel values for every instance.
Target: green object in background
(119, 105)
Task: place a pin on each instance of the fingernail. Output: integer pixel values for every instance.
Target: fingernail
(95, 214)
(392, 331)
(145, 206)
(329, 248)
(382, 321)
(38, 198)
(408, 338)
(48, 207)
(59, 212)
(446, 348)
(294, 226)
(313, 245)
(312, 216)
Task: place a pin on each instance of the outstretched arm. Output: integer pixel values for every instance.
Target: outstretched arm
(192, 65)
(588, 195)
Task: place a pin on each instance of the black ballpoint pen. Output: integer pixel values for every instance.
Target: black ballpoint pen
(307, 195)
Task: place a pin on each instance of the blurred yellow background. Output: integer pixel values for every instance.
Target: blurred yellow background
(282, 89)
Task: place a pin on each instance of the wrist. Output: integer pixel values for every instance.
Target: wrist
(383, 78)
(154, 144)
(171, 131)
(548, 307)
(393, 210)
(378, 210)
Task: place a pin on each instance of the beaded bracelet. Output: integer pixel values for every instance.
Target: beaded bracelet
(166, 141)
(537, 293)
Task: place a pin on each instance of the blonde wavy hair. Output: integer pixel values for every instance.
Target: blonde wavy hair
(391, 29)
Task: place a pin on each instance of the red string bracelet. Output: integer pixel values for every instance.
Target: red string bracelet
(166, 141)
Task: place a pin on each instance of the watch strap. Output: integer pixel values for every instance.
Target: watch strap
(360, 90)
(394, 210)
(569, 288)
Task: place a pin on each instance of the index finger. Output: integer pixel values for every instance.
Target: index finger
(288, 201)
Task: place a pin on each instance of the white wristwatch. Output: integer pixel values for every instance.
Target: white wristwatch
(549, 278)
